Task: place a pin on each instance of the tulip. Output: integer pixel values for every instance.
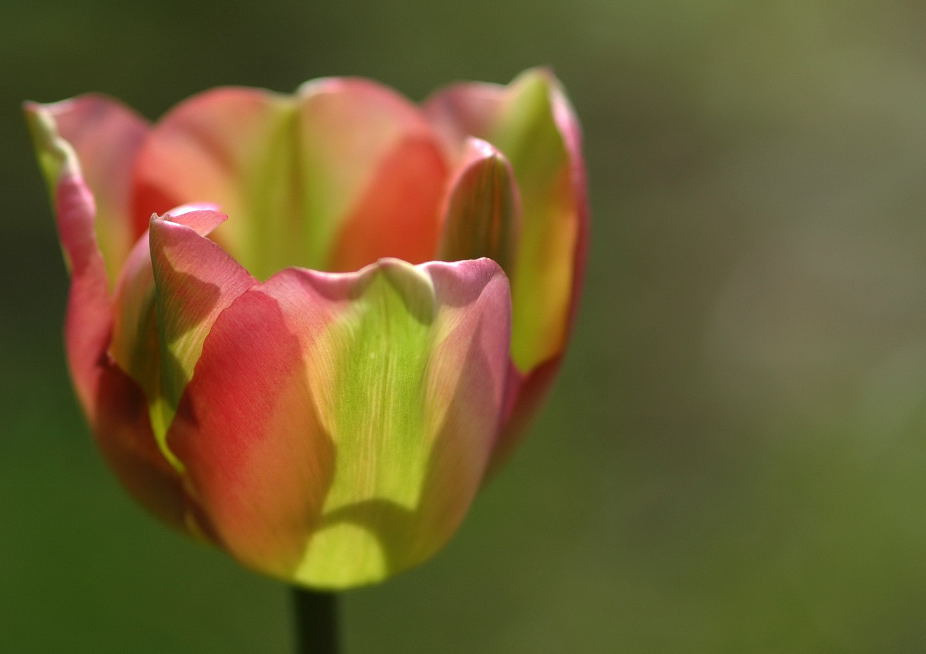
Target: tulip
(320, 384)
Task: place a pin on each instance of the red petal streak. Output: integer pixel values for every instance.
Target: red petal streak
(373, 173)
(195, 281)
(247, 432)
(88, 319)
(398, 214)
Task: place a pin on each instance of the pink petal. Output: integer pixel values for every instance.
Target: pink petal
(106, 136)
(249, 439)
(88, 317)
(194, 282)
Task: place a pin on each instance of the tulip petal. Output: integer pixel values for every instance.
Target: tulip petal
(232, 147)
(337, 426)
(538, 131)
(526, 122)
(87, 321)
(344, 173)
(135, 342)
(480, 217)
(248, 437)
(531, 122)
(194, 281)
(135, 347)
(464, 110)
(408, 382)
(113, 403)
(373, 175)
(104, 136)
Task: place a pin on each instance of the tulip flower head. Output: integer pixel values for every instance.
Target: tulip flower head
(320, 383)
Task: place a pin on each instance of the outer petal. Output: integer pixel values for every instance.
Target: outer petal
(135, 342)
(88, 315)
(338, 425)
(114, 405)
(481, 211)
(105, 136)
(194, 281)
(344, 173)
(531, 122)
(248, 437)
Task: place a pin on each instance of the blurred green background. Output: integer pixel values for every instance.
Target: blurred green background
(733, 457)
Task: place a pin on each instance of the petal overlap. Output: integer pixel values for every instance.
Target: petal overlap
(531, 122)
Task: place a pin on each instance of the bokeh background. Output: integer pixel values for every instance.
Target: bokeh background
(733, 459)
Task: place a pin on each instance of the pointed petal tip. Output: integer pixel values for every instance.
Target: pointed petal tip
(412, 283)
(392, 264)
(49, 143)
(544, 74)
(58, 106)
(478, 152)
(330, 83)
(396, 267)
(194, 280)
(193, 206)
(201, 218)
(343, 83)
(477, 149)
(365, 90)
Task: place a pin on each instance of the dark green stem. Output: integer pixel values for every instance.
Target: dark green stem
(316, 621)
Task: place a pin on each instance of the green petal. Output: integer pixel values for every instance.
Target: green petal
(481, 216)
(407, 377)
(532, 124)
(543, 282)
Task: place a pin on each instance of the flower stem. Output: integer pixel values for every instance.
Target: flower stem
(316, 621)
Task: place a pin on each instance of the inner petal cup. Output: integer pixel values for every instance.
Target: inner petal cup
(341, 174)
